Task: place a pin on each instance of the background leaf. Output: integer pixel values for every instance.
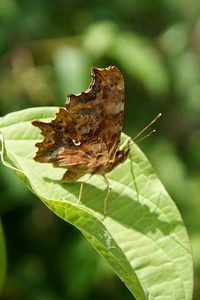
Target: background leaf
(2, 258)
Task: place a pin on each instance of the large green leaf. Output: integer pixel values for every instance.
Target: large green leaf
(142, 236)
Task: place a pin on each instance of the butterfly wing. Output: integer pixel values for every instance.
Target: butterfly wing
(86, 133)
(102, 106)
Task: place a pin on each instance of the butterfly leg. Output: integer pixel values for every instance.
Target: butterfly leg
(81, 189)
(108, 194)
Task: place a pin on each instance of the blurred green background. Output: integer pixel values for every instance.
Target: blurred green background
(46, 51)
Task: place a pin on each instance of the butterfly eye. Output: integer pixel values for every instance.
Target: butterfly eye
(119, 153)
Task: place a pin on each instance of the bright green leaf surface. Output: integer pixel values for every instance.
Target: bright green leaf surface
(142, 236)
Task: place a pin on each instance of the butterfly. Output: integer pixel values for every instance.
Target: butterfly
(84, 137)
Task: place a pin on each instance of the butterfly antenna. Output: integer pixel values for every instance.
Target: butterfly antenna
(144, 137)
(144, 129)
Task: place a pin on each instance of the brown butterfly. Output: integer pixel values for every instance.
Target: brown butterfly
(84, 137)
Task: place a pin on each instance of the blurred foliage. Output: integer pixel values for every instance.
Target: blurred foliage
(2, 258)
(46, 52)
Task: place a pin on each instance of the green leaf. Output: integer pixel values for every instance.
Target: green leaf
(142, 236)
(141, 61)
